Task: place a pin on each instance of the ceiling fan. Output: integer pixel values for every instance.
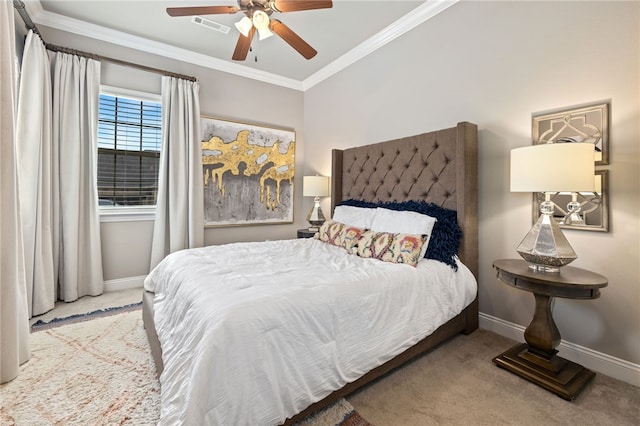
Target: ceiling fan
(257, 19)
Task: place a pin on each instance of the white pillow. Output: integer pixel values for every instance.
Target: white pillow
(360, 217)
(404, 222)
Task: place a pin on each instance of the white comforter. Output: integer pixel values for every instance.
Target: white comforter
(253, 333)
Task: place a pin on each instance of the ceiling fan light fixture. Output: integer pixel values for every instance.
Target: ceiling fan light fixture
(257, 19)
(244, 26)
(264, 33)
(260, 20)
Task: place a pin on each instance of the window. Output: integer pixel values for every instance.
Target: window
(129, 141)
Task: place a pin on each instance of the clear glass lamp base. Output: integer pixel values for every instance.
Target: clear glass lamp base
(315, 216)
(545, 247)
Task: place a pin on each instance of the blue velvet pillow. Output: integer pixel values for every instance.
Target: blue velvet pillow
(446, 236)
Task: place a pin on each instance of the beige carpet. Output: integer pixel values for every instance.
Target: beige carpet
(100, 372)
(457, 384)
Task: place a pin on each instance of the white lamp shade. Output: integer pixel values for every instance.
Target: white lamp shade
(244, 26)
(260, 20)
(315, 186)
(264, 33)
(553, 167)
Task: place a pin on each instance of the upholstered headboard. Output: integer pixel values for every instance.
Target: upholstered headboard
(440, 167)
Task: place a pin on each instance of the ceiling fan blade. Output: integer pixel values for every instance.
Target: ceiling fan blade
(201, 10)
(295, 5)
(243, 45)
(292, 39)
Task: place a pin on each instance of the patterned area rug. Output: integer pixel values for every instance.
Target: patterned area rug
(90, 372)
(72, 319)
(101, 372)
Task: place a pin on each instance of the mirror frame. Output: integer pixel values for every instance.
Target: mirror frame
(593, 203)
(589, 123)
(583, 123)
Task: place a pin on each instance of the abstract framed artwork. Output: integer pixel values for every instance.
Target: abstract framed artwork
(248, 173)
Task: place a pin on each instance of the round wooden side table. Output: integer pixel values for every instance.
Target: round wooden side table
(306, 233)
(537, 360)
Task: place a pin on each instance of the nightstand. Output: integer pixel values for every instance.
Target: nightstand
(536, 360)
(305, 233)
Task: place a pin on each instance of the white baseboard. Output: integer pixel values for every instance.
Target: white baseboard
(596, 361)
(124, 283)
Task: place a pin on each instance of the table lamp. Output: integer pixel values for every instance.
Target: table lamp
(315, 186)
(550, 168)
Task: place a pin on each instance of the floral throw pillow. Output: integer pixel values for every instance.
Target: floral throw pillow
(373, 244)
(350, 237)
(405, 248)
(384, 246)
(331, 232)
(390, 247)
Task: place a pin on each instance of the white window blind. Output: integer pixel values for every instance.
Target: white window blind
(129, 140)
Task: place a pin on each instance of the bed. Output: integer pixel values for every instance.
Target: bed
(438, 167)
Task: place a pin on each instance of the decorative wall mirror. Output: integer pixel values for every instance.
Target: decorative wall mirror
(592, 214)
(586, 124)
(583, 124)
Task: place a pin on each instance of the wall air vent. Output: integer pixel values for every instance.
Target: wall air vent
(210, 24)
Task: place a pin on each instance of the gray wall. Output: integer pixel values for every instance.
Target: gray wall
(126, 246)
(494, 64)
(491, 63)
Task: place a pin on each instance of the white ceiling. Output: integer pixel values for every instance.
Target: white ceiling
(342, 35)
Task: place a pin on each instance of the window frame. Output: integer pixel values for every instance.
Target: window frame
(127, 213)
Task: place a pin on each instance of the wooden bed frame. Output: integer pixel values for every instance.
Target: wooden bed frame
(438, 167)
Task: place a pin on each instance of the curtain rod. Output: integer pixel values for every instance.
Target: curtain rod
(61, 49)
(20, 8)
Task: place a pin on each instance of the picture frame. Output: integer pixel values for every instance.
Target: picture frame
(589, 123)
(248, 172)
(594, 206)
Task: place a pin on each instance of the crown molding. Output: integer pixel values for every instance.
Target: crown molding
(97, 32)
(422, 13)
(417, 16)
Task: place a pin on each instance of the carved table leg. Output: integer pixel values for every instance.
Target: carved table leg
(543, 335)
(537, 361)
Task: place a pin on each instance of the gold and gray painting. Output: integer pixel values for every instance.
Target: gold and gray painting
(248, 173)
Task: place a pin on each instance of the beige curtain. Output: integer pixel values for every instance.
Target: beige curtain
(33, 130)
(14, 323)
(179, 221)
(76, 90)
